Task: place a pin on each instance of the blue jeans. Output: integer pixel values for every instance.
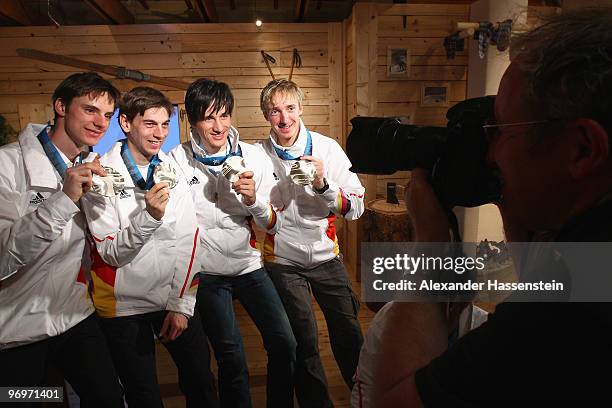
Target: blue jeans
(259, 297)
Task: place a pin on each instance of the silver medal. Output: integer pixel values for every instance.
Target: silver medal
(109, 185)
(302, 172)
(164, 172)
(232, 168)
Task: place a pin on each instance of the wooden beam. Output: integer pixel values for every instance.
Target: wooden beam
(211, 10)
(144, 4)
(206, 10)
(15, 11)
(301, 6)
(112, 11)
(197, 6)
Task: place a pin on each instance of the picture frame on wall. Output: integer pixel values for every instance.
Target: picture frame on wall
(435, 94)
(398, 61)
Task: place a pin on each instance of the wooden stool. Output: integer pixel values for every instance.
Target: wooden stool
(383, 222)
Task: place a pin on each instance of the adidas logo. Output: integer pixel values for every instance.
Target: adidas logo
(193, 181)
(124, 194)
(37, 199)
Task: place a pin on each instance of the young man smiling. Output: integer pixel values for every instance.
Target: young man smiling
(231, 263)
(303, 256)
(146, 239)
(46, 316)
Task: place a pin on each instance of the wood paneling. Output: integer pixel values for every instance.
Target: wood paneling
(421, 29)
(226, 52)
(460, 10)
(370, 31)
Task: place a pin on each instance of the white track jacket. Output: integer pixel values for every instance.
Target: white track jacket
(226, 232)
(43, 290)
(142, 265)
(307, 237)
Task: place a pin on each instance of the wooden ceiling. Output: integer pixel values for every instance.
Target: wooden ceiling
(86, 12)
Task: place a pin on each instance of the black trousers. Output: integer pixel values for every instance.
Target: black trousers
(332, 290)
(132, 346)
(80, 354)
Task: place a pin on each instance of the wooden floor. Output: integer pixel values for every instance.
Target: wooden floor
(256, 358)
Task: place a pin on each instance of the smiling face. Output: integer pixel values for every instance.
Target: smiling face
(146, 133)
(213, 129)
(283, 113)
(86, 119)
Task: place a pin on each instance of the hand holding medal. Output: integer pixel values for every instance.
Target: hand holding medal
(232, 168)
(157, 197)
(109, 185)
(241, 178)
(302, 172)
(165, 173)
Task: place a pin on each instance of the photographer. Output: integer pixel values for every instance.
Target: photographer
(551, 147)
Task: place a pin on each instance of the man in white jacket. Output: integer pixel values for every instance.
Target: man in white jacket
(46, 316)
(146, 238)
(303, 256)
(231, 264)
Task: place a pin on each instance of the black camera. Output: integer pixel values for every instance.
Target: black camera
(455, 155)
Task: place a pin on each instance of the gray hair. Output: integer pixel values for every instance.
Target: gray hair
(568, 65)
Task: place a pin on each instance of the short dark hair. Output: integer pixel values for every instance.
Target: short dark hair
(138, 100)
(84, 83)
(204, 93)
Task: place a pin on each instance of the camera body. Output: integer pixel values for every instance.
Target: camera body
(455, 155)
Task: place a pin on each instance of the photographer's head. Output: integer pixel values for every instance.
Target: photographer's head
(552, 145)
(281, 104)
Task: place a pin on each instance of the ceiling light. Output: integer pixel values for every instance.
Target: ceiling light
(258, 23)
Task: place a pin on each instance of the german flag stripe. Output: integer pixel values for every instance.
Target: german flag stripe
(193, 252)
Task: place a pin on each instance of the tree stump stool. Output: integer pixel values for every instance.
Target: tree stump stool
(383, 222)
(386, 222)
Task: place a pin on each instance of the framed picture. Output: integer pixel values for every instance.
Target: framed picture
(398, 62)
(435, 94)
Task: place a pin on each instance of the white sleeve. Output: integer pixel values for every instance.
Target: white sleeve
(344, 197)
(182, 296)
(117, 246)
(264, 214)
(24, 237)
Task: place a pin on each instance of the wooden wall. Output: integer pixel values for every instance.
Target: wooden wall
(421, 29)
(227, 52)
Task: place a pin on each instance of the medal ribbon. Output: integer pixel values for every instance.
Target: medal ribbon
(286, 156)
(217, 160)
(137, 178)
(53, 154)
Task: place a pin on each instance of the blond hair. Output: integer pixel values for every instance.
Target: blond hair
(279, 86)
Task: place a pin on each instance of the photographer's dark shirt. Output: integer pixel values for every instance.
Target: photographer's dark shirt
(532, 354)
